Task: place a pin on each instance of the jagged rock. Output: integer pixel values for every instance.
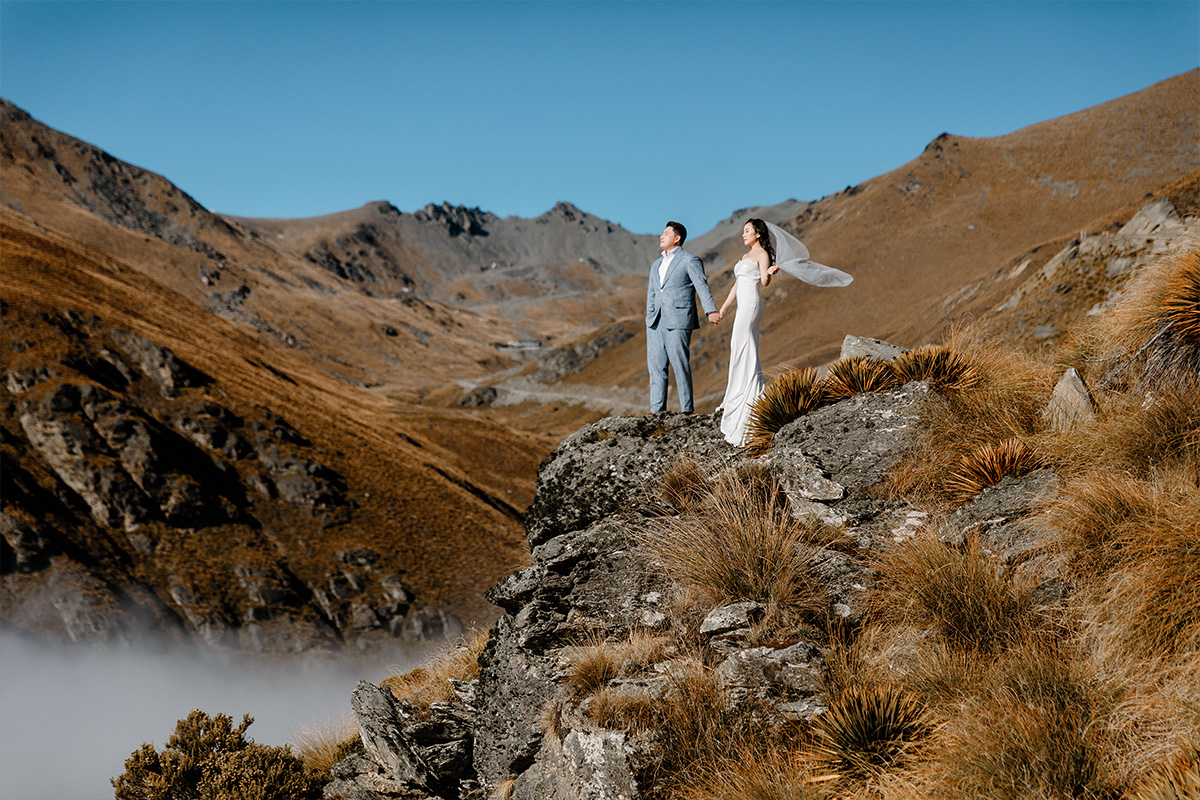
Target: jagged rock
(159, 364)
(20, 381)
(736, 616)
(380, 724)
(1157, 216)
(479, 396)
(604, 467)
(587, 765)
(81, 458)
(853, 444)
(872, 348)
(763, 673)
(1071, 404)
(595, 580)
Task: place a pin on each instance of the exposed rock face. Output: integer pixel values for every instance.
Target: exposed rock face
(593, 576)
(134, 501)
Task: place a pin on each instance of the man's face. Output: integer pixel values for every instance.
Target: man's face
(669, 238)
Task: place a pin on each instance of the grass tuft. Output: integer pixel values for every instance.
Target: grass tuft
(786, 398)
(988, 464)
(941, 366)
(858, 374)
(958, 590)
(684, 485)
(322, 745)
(745, 545)
(1034, 729)
(868, 729)
(431, 683)
(1177, 780)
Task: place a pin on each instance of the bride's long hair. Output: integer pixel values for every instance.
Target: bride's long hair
(764, 237)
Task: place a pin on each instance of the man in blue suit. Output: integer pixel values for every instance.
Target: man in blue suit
(675, 279)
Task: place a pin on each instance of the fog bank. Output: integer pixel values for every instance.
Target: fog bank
(71, 715)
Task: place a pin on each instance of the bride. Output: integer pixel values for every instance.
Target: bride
(771, 249)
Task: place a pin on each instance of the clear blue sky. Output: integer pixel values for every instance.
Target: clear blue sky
(634, 111)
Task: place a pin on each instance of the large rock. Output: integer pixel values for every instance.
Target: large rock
(605, 467)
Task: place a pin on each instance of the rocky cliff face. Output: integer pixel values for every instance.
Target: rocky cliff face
(594, 578)
(139, 500)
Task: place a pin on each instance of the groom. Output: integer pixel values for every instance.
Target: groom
(671, 316)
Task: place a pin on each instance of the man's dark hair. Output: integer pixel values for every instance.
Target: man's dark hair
(682, 231)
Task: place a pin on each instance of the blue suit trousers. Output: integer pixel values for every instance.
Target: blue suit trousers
(669, 346)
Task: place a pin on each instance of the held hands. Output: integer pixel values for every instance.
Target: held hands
(715, 317)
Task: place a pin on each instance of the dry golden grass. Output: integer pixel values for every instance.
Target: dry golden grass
(745, 545)
(857, 374)
(620, 710)
(1135, 434)
(431, 683)
(1035, 729)
(700, 730)
(988, 464)
(1150, 338)
(684, 485)
(750, 774)
(943, 676)
(323, 744)
(959, 591)
(1006, 402)
(597, 663)
(1176, 779)
(786, 398)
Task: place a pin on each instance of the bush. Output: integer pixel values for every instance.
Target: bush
(206, 758)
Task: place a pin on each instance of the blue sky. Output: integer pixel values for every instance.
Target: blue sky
(635, 111)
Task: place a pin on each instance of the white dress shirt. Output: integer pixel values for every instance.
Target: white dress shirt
(667, 257)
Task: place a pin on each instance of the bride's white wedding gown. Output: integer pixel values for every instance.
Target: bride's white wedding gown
(745, 370)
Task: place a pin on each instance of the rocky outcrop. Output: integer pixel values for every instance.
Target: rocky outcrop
(136, 502)
(594, 578)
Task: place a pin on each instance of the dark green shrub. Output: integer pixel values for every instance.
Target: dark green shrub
(209, 759)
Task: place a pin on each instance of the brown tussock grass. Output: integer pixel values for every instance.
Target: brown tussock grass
(869, 728)
(321, 745)
(597, 663)
(1177, 779)
(1151, 338)
(942, 366)
(754, 774)
(701, 731)
(958, 590)
(1004, 403)
(684, 485)
(745, 545)
(1036, 729)
(620, 710)
(431, 683)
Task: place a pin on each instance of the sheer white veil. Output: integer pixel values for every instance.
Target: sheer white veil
(792, 257)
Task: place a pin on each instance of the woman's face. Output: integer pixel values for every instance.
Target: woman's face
(749, 235)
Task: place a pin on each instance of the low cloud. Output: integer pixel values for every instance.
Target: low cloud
(71, 715)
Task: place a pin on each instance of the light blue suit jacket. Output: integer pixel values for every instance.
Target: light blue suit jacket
(673, 305)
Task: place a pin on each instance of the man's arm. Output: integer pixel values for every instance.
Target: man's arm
(695, 268)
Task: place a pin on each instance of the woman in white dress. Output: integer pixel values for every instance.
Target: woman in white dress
(771, 249)
(745, 370)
